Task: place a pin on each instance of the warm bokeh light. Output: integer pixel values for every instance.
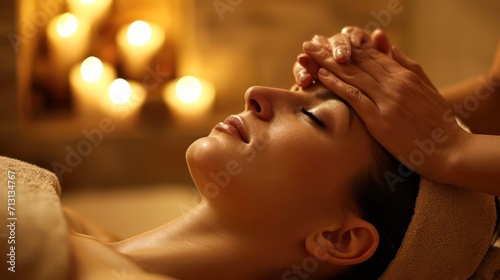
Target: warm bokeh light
(190, 99)
(139, 33)
(91, 69)
(94, 12)
(138, 43)
(67, 24)
(120, 92)
(188, 89)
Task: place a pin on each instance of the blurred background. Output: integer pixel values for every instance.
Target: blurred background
(96, 90)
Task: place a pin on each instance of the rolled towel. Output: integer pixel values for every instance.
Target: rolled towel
(448, 236)
(36, 244)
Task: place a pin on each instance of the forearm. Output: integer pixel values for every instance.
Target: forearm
(477, 102)
(476, 166)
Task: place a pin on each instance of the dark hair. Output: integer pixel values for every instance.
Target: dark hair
(383, 195)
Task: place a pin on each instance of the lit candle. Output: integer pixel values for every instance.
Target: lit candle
(123, 100)
(93, 11)
(137, 44)
(68, 41)
(90, 81)
(189, 99)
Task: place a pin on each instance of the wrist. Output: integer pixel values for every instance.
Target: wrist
(459, 159)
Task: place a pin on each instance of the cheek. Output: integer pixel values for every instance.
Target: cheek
(311, 160)
(284, 186)
(287, 169)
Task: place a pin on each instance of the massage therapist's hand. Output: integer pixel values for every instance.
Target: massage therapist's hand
(400, 107)
(304, 69)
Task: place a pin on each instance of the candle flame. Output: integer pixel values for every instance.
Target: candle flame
(91, 69)
(139, 33)
(67, 24)
(88, 1)
(120, 92)
(188, 89)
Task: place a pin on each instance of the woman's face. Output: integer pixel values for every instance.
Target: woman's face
(284, 161)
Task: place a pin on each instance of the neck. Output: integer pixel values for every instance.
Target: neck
(199, 246)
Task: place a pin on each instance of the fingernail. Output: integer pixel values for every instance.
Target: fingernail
(302, 76)
(323, 72)
(311, 47)
(339, 53)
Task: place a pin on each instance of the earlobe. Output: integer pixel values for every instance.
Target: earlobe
(351, 243)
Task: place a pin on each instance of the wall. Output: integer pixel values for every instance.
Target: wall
(454, 40)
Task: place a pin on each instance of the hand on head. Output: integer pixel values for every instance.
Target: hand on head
(397, 102)
(341, 45)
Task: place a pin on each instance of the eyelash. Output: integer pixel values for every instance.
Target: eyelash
(313, 117)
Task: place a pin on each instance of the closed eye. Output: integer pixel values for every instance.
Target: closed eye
(313, 117)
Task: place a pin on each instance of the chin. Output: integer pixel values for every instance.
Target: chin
(213, 164)
(203, 156)
(198, 152)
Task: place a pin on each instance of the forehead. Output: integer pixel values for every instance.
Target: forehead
(319, 89)
(315, 86)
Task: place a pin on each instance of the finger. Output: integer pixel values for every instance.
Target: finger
(347, 29)
(381, 41)
(308, 64)
(361, 103)
(321, 40)
(302, 77)
(348, 72)
(359, 37)
(307, 71)
(411, 65)
(341, 47)
(382, 68)
(376, 64)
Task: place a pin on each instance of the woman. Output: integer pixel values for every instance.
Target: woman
(293, 186)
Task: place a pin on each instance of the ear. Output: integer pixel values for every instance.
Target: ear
(351, 243)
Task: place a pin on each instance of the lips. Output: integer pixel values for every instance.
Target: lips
(235, 126)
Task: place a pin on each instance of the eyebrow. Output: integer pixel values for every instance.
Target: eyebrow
(325, 95)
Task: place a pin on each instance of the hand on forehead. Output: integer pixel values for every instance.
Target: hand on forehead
(340, 46)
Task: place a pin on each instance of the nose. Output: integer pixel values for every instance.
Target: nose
(263, 101)
(258, 101)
